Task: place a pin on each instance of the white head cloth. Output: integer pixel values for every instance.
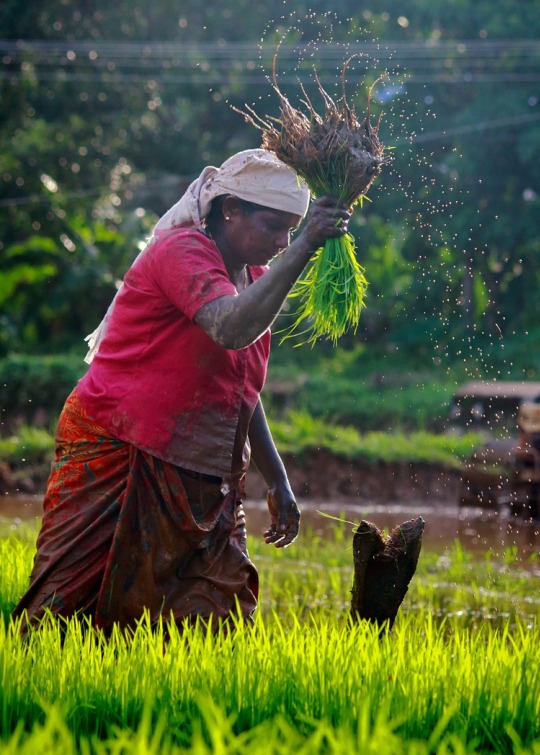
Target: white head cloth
(253, 175)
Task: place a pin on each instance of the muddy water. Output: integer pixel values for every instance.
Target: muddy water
(476, 529)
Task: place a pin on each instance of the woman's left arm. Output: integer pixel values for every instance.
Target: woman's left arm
(284, 513)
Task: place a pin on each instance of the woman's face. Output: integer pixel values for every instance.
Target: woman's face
(256, 236)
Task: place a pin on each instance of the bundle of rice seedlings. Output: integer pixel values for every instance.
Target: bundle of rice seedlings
(336, 154)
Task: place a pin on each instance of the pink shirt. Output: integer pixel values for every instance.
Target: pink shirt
(158, 381)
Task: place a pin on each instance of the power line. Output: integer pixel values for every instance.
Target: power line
(213, 79)
(99, 53)
(111, 63)
(430, 48)
(471, 127)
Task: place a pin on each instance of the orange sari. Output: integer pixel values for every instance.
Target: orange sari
(124, 531)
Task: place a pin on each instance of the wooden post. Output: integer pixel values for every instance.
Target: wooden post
(383, 569)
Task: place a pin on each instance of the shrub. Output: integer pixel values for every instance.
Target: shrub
(33, 388)
(372, 404)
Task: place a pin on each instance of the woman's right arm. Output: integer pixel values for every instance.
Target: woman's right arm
(235, 322)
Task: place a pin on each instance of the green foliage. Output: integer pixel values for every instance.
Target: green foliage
(300, 432)
(29, 384)
(91, 134)
(28, 445)
(378, 403)
(55, 290)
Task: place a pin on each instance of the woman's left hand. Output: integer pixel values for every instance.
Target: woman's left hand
(285, 516)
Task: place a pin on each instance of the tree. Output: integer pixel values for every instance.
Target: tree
(111, 108)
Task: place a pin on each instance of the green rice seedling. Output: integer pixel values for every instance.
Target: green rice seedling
(303, 678)
(315, 682)
(16, 554)
(216, 735)
(474, 591)
(315, 576)
(336, 154)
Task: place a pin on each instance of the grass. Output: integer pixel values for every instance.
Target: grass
(30, 450)
(459, 673)
(397, 402)
(301, 432)
(27, 445)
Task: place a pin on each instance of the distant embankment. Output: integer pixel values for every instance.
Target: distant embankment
(318, 474)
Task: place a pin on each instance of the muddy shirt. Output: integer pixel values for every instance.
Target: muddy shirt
(158, 381)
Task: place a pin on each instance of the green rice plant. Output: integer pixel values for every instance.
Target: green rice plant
(16, 555)
(451, 677)
(216, 736)
(338, 155)
(332, 291)
(313, 681)
(315, 576)
(445, 680)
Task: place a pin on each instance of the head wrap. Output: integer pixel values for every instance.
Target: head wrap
(254, 175)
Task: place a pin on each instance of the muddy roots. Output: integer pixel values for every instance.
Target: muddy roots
(335, 153)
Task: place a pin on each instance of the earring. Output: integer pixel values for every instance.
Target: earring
(227, 217)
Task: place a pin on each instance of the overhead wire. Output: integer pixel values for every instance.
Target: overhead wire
(65, 56)
(178, 62)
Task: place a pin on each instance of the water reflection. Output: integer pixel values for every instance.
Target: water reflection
(477, 530)
(20, 506)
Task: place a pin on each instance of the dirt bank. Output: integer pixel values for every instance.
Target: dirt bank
(319, 474)
(316, 474)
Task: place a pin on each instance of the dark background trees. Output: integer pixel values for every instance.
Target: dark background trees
(109, 109)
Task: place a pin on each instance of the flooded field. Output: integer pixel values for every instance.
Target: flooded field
(476, 529)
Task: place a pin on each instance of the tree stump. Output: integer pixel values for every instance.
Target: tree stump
(383, 569)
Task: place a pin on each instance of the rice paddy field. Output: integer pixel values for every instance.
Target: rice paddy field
(459, 673)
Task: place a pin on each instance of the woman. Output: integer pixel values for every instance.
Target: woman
(143, 504)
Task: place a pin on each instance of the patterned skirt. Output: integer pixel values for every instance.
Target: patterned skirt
(123, 531)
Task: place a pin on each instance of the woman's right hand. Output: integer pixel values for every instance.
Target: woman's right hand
(235, 322)
(327, 218)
